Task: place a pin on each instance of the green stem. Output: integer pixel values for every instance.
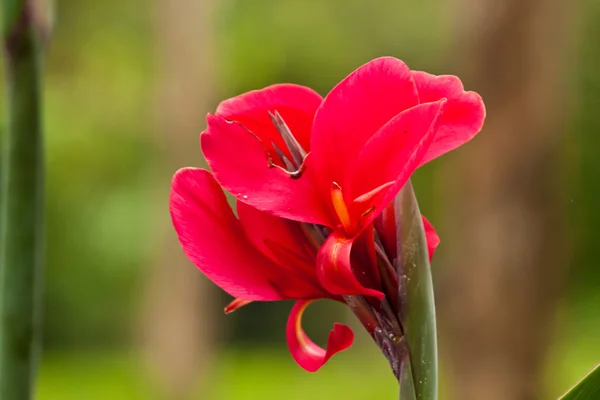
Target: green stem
(21, 247)
(417, 306)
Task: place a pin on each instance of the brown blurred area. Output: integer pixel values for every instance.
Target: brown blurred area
(179, 328)
(507, 194)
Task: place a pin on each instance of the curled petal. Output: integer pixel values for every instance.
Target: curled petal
(433, 240)
(354, 110)
(334, 268)
(306, 353)
(463, 115)
(243, 166)
(213, 238)
(296, 104)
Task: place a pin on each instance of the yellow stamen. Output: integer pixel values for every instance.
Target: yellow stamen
(299, 332)
(337, 199)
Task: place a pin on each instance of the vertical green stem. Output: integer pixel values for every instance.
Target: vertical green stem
(21, 247)
(417, 305)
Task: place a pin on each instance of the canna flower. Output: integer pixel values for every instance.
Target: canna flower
(338, 162)
(315, 181)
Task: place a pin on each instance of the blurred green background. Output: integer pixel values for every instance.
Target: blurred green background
(116, 75)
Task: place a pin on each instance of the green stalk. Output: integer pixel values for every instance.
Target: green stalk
(417, 306)
(21, 244)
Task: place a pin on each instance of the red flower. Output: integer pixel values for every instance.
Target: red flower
(312, 177)
(363, 142)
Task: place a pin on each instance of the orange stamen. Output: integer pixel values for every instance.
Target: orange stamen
(337, 199)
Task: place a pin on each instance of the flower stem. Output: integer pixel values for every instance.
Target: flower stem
(21, 247)
(417, 306)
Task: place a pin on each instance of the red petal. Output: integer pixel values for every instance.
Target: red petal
(241, 164)
(393, 154)
(385, 225)
(213, 239)
(262, 227)
(286, 244)
(306, 353)
(296, 104)
(363, 257)
(463, 116)
(334, 268)
(354, 110)
(433, 240)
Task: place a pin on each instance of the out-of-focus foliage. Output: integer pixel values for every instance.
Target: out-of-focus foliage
(316, 43)
(100, 152)
(104, 158)
(265, 377)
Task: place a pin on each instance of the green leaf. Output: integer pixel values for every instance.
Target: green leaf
(588, 388)
(417, 308)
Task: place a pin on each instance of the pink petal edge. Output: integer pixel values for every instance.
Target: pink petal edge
(433, 240)
(463, 115)
(296, 104)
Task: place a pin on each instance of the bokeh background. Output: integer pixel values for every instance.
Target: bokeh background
(127, 88)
